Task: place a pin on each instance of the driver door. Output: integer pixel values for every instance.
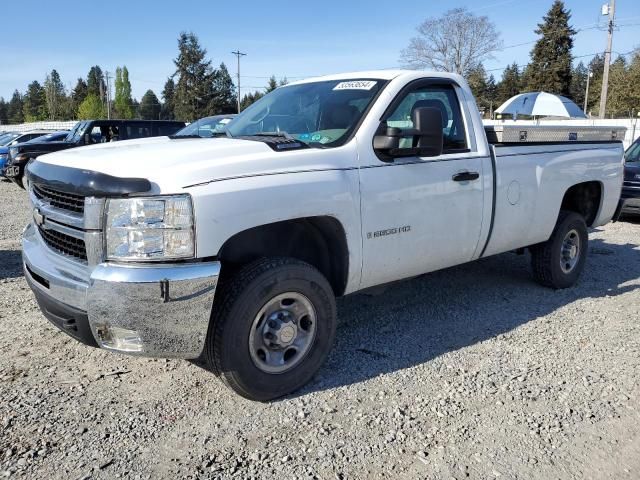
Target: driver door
(417, 215)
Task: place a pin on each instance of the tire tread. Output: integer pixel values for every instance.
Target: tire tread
(228, 292)
(542, 254)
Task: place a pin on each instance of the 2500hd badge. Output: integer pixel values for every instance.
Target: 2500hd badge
(388, 231)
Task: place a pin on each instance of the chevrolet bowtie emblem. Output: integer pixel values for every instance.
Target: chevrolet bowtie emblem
(38, 217)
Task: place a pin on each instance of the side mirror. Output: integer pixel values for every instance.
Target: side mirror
(426, 136)
(87, 139)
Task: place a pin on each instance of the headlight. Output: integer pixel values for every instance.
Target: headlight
(153, 228)
(3, 156)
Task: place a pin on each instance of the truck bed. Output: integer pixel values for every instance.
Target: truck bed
(531, 177)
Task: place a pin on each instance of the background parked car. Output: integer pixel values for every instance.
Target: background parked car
(51, 137)
(6, 137)
(14, 138)
(87, 132)
(207, 126)
(631, 186)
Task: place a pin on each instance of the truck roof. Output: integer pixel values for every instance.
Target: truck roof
(382, 75)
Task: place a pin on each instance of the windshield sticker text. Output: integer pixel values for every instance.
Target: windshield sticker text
(356, 85)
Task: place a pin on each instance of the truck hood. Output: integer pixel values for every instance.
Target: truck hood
(29, 147)
(173, 164)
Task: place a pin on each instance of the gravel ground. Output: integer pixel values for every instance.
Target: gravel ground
(472, 372)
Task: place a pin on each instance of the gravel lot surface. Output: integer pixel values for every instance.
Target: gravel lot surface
(472, 372)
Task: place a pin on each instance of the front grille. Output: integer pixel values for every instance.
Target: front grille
(64, 244)
(62, 200)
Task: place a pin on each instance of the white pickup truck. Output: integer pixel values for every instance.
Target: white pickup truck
(232, 250)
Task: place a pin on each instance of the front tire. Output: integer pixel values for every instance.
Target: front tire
(272, 328)
(558, 262)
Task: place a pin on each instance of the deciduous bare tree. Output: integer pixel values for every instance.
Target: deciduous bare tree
(456, 42)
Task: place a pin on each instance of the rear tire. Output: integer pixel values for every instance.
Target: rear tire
(558, 262)
(272, 327)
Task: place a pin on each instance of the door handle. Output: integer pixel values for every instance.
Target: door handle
(465, 176)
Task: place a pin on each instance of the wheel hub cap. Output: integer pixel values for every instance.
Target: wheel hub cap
(570, 253)
(279, 330)
(282, 332)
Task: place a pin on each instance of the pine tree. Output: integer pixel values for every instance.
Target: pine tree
(95, 82)
(272, 84)
(510, 85)
(55, 96)
(193, 92)
(78, 94)
(619, 93)
(149, 106)
(550, 67)
(596, 66)
(4, 116)
(15, 108)
(135, 108)
(249, 98)
(34, 105)
(633, 79)
(123, 102)
(579, 84)
(224, 98)
(168, 95)
(477, 80)
(492, 95)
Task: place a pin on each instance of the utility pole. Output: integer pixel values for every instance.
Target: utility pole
(106, 75)
(238, 54)
(586, 94)
(609, 9)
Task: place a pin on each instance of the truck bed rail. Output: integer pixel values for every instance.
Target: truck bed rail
(553, 133)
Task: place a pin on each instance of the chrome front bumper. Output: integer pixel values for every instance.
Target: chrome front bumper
(162, 309)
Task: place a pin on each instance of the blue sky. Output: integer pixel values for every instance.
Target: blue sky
(285, 38)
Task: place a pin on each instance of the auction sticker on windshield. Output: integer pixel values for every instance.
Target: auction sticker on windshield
(356, 85)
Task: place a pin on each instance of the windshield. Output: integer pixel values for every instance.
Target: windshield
(76, 132)
(8, 138)
(206, 127)
(320, 114)
(633, 153)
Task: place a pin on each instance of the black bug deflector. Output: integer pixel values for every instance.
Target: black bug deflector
(84, 182)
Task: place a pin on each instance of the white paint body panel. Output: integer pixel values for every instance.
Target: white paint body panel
(544, 174)
(240, 184)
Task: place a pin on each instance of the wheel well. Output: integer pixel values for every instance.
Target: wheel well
(319, 241)
(584, 198)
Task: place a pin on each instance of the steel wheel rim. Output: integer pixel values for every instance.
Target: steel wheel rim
(282, 333)
(570, 251)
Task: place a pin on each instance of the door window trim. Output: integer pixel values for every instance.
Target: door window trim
(459, 92)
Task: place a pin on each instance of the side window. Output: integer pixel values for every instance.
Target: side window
(103, 134)
(633, 154)
(445, 99)
(138, 130)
